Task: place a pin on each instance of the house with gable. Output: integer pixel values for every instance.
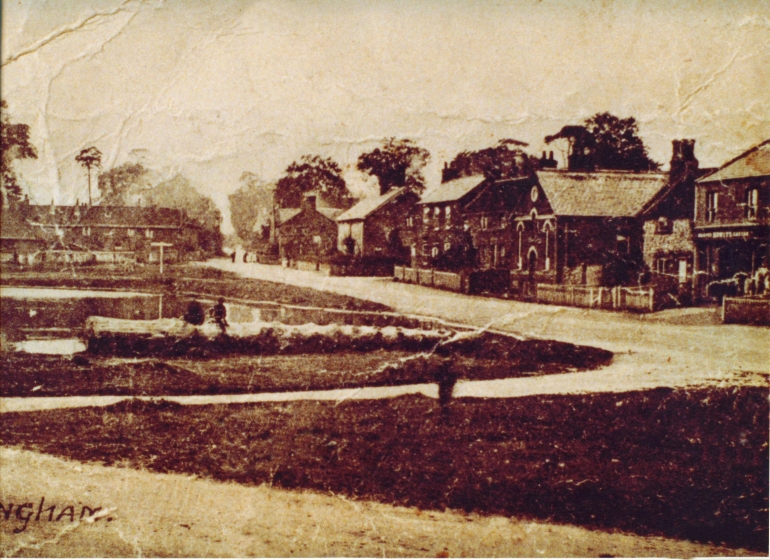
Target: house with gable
(374, 226)
(732, 219)
(669, 241)
(308, 233)
(436, 228)
(581, 228)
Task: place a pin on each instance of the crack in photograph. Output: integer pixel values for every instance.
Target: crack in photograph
(385, 278)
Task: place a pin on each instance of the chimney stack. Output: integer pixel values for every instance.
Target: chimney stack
(684, 164)
(309, 202)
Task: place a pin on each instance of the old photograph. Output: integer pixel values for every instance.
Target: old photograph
(365, 278)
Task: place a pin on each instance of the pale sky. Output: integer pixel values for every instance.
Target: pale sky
(216, 88)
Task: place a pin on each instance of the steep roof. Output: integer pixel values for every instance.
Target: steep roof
(367, 206)
(288, 214)
(752, 163)
(331, 213)
(452, 191)
(13, 227)
(603, 193)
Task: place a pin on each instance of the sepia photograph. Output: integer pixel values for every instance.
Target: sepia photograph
(385, 278)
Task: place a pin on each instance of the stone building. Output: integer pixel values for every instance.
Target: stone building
(669, 243)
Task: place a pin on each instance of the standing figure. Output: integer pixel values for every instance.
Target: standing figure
(446, 377)
(220, 315)
(233, 256)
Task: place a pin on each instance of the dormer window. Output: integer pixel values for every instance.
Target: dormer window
(663, 226)
(448, 216)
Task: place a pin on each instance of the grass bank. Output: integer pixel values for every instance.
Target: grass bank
(687, 464)
(486, 356)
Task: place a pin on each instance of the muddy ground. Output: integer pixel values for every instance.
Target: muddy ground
(677, 463)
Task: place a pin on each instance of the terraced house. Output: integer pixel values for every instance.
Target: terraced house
(83, 233)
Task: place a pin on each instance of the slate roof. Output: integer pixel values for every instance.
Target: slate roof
(603, 193)
(13, 227)
(452, 191)
(752, 163)
(367, 206)
(287, 214)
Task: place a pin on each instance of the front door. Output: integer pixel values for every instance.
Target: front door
(682, 271)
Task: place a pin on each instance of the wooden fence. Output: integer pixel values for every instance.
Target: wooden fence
(619, 297)
(746, 310)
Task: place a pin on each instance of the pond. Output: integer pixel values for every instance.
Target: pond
(33, 318)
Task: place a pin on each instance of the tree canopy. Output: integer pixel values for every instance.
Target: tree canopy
(313, 173)
(14, 144)
(606, 142)
(178, 192)
(617, 144)
(251, 205)
(398, 163)
(89, 158)
(506, 159)
(120, 185)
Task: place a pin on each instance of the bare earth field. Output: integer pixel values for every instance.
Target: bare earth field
(685, 464)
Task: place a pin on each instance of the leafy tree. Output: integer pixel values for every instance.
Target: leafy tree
(606, 142)
(119, 184)
(506, 159)
(14, 144)
(250, 205)
(88, 158)
(313, 173)
(179, 193)
(617, 144)
(398, 163)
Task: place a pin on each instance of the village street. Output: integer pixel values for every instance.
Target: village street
(668, 348)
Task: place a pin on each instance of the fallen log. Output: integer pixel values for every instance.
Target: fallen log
(175, 337)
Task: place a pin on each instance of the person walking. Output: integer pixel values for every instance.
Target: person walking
(220, 315)
(446, 377)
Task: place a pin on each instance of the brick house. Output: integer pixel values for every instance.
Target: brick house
(308, 233)
(375, 226)
(581, 228)
(436, 230)
(489, 218)
(732, 218)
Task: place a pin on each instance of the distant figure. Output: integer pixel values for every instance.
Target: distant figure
(245, 257)
(233, 256)
(446, 377)
(220, 315)
(195, 314)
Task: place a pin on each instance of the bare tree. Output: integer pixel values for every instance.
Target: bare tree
(88, 158)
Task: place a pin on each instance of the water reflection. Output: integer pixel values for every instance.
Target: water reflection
(31, 314)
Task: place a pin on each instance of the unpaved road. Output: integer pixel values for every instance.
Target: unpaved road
(146, 514)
